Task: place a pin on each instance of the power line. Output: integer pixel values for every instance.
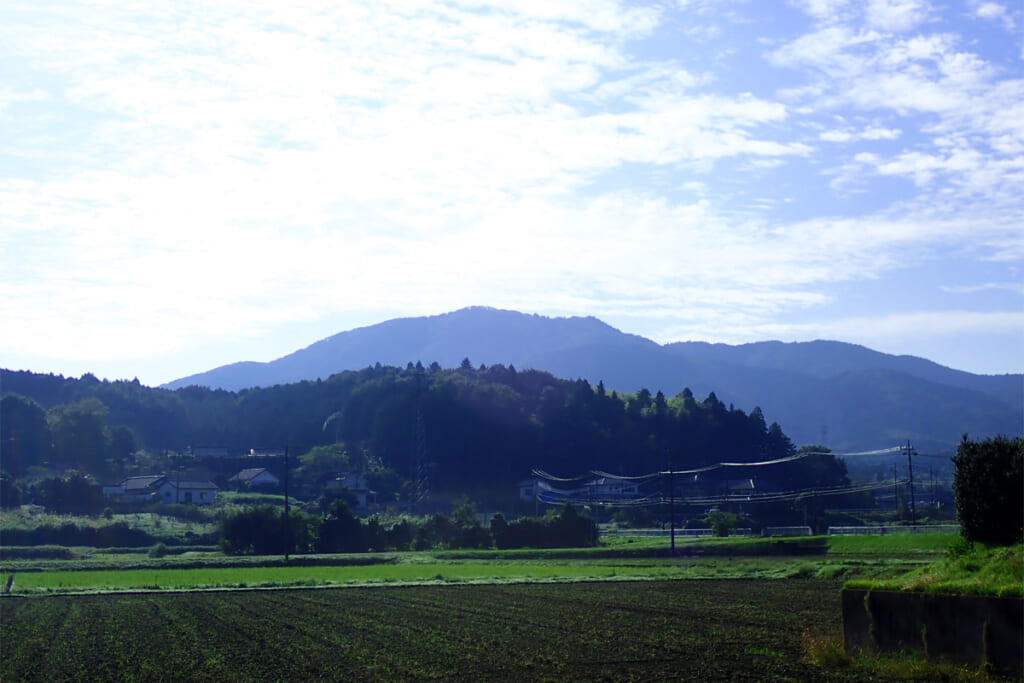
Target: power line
(708, 468)
(548, 494)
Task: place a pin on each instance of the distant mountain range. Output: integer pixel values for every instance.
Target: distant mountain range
(843, 395)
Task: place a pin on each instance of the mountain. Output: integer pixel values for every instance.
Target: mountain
(847, 396)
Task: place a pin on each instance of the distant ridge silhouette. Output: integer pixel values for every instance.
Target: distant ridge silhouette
(844, 395)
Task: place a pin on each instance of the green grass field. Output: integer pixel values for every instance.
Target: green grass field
(868, 558)
(467, 571)
(891, 545)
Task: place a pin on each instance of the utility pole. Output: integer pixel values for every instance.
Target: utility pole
(895, 491)
(931, 480)
(671, 504)
(287, 516)
(672, 509)
(177, 486)
(910, 473)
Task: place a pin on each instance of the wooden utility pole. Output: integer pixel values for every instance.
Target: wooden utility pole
(672, 511)
(910, 473)
(671, 504)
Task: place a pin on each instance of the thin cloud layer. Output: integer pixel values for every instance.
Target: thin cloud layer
(176, 180)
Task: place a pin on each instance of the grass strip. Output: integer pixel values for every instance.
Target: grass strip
(992, 571)
(425, 569)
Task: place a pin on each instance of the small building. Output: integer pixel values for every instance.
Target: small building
(187, 492)
(254, 478)
(528, 490)
(159, 488)
(355, 484)
(611, 488)
(599, 489)
(141, 489)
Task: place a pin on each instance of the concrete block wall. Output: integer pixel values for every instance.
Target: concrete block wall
(970, 630)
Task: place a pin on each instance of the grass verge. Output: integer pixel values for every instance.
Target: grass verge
(992, 571)
(827, 652)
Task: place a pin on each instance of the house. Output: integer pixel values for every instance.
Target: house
(153, 488)
(611, 488)
(143, 489)
(355, 484)
(255, 478)
(528, 490)
(600, 490)
(187, 492)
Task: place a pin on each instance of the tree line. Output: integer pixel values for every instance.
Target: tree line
(268, 530)
(458, 428)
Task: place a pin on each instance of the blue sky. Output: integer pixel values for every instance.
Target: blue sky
(202, 183)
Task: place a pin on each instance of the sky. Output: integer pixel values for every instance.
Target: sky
(189, 184)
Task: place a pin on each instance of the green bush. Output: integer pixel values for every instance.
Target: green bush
(988, 486)
(40, 552)
(722, 523)
(70, 534)
(262, 531)
(340, 531)
(568, 529)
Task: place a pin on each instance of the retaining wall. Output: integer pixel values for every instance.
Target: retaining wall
(971, 630)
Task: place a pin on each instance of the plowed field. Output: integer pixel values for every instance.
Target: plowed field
(644, 631)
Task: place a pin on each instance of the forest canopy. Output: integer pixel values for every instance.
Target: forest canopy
(466, 427)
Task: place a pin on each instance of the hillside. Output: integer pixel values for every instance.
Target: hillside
(846, 395)
(461, 429)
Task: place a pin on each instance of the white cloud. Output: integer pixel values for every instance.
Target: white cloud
(973, 113)
(896, 15)
(884, 15)
(1015, 287)
(993, 11)
(826, 11)
(223, 170)
(871, 133)
(238, 177)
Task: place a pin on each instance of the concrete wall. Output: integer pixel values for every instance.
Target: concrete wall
(970, 630)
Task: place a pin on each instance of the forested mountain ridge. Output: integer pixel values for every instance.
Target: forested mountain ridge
(466, 428)
(844, 395)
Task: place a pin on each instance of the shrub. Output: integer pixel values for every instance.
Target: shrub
(74, 494)
(158, 551)
(114, 535)
(340, 531)
(722, 523)
(988, 486)
(400, 536)
(262, 531)
(10, 491)
(568, 529)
